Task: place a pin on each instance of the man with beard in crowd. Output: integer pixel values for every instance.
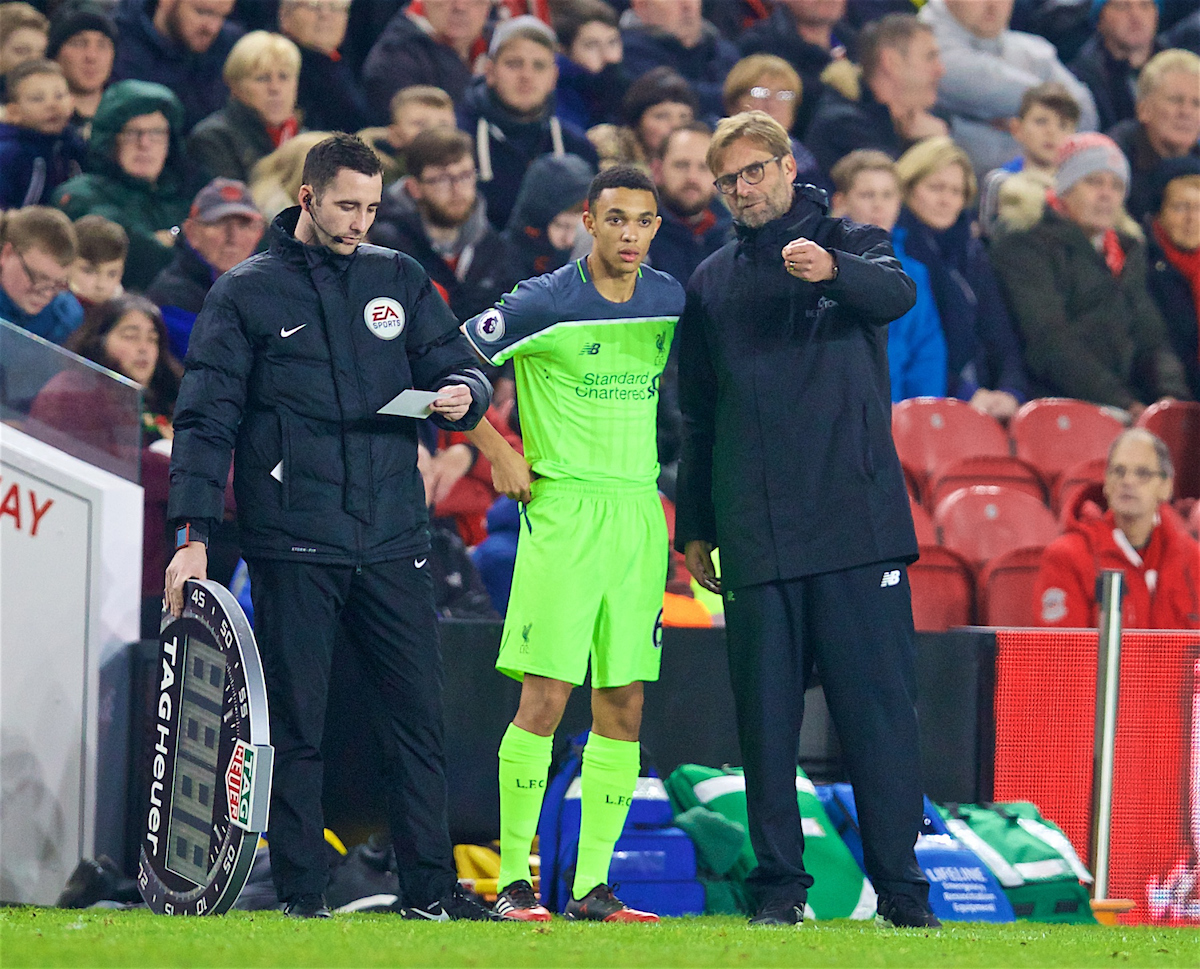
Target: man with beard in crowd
(436, 215)
(695, 223)
(181, 44)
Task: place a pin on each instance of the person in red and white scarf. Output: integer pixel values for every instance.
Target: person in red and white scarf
(1075, 282)
(1174, 274)
(263, 74)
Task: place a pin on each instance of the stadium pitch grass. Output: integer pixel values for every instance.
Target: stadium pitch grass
(104, 937)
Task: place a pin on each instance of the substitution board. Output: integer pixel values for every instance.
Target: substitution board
(211, 758)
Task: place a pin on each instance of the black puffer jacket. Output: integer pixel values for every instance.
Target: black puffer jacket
(295, 351)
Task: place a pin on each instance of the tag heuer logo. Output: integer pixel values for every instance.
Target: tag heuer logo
(239, 778)
(384, 317)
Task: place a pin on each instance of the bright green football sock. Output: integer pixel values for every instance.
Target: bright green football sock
(524, 764)
(610, 773)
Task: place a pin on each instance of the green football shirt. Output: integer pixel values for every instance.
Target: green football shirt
(587, 370)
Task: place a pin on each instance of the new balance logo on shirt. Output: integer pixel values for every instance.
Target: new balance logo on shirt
(590, 349)
(890, 578)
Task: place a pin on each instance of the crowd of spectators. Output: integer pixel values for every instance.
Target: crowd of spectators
(1037, 163)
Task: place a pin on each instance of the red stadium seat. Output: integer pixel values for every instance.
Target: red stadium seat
(983, 521)
(1177, 422)
(932, 431)
(1056, 433)
(942, 590)
(926, 533)
(1006, 585)
(983, 469)
(1077, 478)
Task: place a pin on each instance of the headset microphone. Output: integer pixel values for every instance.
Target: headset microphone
(341, 240)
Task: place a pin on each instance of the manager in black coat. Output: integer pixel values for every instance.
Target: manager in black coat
(291, 358)
(788, 467)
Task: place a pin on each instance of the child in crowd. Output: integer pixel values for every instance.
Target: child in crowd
(24, 32)
(868, 191)
(99, 264)
(414, 109)
(38, 152)
(1048, 116)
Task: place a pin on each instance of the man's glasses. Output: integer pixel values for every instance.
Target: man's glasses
(751, 175)
(156, 136)
(1140, 475)
(450, 181)
(39, 283)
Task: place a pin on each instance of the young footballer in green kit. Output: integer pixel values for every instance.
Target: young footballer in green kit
(589, 343)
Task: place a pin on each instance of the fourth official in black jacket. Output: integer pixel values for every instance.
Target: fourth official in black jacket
(292, 356)
(788, 467)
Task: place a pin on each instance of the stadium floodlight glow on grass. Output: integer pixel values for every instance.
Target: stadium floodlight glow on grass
(210, 771)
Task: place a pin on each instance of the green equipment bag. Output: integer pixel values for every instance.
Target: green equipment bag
(1031, 858)
(702, 795)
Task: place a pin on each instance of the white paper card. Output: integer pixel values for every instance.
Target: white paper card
(411, 403)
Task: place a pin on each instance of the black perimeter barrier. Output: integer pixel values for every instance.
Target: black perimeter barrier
(688, 718)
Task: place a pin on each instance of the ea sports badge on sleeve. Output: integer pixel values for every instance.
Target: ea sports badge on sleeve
(211, 758)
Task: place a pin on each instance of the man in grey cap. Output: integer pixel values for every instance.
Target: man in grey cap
(1076, 284)
(223, 227)
(510, 112)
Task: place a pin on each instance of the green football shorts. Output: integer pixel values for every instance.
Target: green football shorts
(589, 581)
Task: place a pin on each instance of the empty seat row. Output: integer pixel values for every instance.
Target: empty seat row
(1052, 446)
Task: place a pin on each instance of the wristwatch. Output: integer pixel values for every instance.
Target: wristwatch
(833, 256)
(186, 532)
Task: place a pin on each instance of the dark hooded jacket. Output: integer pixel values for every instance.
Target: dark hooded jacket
(552, 185)
(141, 207)
(505, 145)
(788, 463)
(291, 358)
(143, 53)
(474, 273)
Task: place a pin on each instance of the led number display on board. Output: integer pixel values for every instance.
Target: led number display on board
(210, 762)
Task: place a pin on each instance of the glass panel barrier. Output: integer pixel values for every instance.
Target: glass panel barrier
(70, 403)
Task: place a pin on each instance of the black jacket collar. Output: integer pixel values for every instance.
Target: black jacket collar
(285, 243)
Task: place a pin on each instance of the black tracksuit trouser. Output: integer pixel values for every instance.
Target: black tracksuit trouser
(856, 626)
(387, 612)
